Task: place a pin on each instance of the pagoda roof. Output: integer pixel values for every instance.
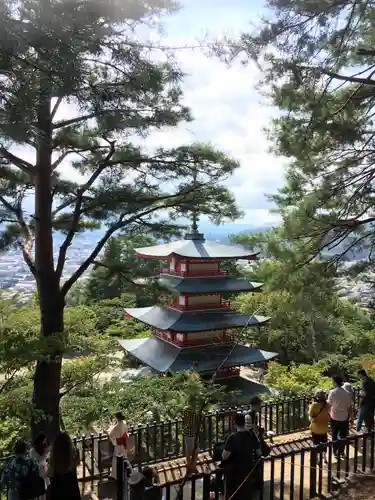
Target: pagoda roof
(194, 246)
(163, 356)
(207, 285)
(164, 318)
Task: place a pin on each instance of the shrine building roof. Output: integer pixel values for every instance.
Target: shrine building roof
(163, 356)
(194, 246)
(164, 318)
(208, 285)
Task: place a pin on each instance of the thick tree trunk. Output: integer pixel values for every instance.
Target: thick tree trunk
(46, 393)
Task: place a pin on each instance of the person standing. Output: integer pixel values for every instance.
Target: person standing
(40, 453)
(319, 418)
(190, 430)
(367, 402)
(62, 469)
(240, 456)
(118, 435)
(252, 418)
(340, 403)
(20, 476)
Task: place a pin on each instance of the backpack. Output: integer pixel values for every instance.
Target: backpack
(32, 485)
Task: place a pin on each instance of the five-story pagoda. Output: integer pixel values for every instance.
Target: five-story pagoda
(197, 330)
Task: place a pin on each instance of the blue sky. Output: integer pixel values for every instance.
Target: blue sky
(228, 111)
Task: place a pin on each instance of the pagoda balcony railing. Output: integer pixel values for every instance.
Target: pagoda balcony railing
(160, 441)
(194, 274)
(199, 307)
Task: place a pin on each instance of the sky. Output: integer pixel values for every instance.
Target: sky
(228, 111)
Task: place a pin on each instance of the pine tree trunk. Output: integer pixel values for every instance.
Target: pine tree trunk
(46, 395)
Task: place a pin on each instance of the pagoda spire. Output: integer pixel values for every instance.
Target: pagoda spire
(194, 226)
(194, 234)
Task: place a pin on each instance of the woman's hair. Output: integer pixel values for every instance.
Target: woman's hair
(256, 401)
(338, 380)
(40, 443)
(20, 448)
(62, 453)
(119, 416)
(320, 396)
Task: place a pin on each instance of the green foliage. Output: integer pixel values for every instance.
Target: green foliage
(308, 319)
(142, 400)
(296, 380)
(120, 271)
(87, 353)
(113, 91)
(319, 73)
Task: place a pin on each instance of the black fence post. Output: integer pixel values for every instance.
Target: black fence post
(313, 470)
(120, 479)
(206, 487)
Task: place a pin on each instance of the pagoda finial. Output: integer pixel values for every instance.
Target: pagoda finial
(195, 234)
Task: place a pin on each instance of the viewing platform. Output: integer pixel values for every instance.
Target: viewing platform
(295, 468)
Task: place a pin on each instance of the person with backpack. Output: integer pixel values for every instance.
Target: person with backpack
(241, 454)
(20, 477)
(367, 402)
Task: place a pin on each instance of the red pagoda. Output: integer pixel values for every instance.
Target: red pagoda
(197, 330)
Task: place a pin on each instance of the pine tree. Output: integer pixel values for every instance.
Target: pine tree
(86, 54)
(120, 271)
(321, 77)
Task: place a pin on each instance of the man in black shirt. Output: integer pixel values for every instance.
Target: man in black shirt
(240, 456)
(367, 401)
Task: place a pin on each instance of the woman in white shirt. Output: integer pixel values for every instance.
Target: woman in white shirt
(118, 434)
(40, 454)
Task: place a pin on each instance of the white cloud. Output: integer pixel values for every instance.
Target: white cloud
(228, 111)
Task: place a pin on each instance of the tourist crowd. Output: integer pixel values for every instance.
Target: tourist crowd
(45, 472)
(49, 472)
(245, 446)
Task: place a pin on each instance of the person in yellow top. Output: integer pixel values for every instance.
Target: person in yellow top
(319, 418)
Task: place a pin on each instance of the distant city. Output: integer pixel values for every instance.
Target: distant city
(16, 279)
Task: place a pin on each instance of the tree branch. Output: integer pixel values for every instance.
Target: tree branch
(11, 377)
(118, 225)
(56, 106)
(122, 273)
(74, 121)
(80, 382)
(62, 157)
(28, 245)
(337, 76)
(77, 210)
(23, 165)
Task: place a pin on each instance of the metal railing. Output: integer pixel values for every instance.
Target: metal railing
(302, 474)
(162, 441)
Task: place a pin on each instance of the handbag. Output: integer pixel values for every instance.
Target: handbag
(32, 485)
